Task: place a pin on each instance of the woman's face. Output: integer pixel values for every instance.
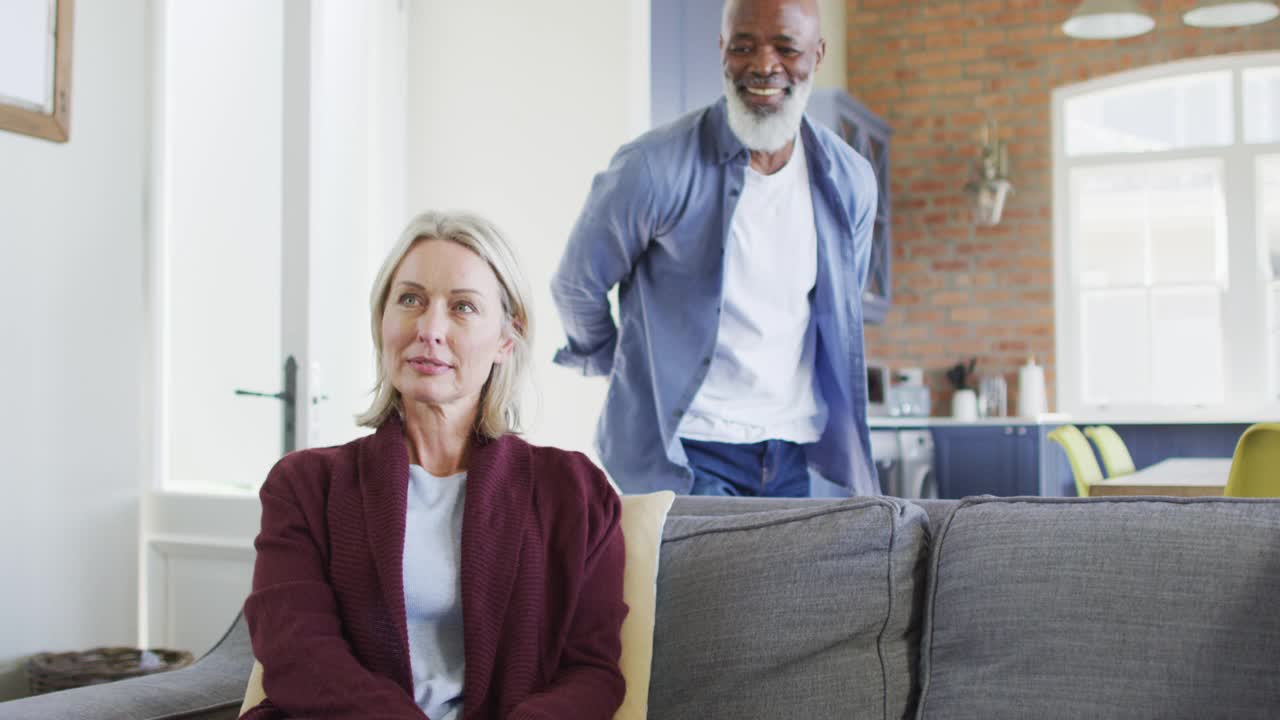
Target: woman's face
(443, 327)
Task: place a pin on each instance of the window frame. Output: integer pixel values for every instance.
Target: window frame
(1250, 390)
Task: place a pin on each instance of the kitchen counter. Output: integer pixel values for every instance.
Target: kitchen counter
(889, 422)
(1189, 418)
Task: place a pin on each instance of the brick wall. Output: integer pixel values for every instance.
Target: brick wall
(937, 70)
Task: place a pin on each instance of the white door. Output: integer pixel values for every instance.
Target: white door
(277, 185)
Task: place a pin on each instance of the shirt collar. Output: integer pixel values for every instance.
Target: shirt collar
(725, 144)
(809, 136)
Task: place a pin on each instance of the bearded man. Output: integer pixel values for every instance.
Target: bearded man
(739, 238)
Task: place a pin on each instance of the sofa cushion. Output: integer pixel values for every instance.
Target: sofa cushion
(1066, 608)
(806, 613)
(643, 517)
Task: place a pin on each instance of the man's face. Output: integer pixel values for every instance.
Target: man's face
(769, 48)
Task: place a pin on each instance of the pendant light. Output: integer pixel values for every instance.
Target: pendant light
(1107, 20)
(1230, 13)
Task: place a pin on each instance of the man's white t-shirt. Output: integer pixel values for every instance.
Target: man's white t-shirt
(760, 385)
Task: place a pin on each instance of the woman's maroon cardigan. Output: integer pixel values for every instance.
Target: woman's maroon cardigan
(542, 562)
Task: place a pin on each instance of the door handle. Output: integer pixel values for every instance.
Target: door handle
(289, 411)
(278, 396)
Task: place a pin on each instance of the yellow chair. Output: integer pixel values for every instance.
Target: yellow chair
(1255, 467)
(1111, 448)
(1083, 465)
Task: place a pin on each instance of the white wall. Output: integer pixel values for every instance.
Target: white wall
(831, 73)
(71, 371)
(513, 106)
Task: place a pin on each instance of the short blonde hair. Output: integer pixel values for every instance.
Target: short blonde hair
(500, 399)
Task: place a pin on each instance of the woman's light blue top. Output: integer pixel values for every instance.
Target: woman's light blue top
(432, 593)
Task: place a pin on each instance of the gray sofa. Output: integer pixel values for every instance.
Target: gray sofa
(880, 608)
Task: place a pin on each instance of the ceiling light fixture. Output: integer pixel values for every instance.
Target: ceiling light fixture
(1107, 20)
(1230, 13)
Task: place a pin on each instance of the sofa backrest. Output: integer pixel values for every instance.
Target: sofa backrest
(936, 510)
(803, 608)
(1116, 607)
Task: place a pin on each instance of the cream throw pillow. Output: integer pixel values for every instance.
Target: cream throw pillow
(643, 517)
(253, 694)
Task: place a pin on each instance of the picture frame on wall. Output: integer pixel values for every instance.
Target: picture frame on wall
(35, 67)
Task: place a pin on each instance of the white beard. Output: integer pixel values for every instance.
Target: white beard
(768, 131)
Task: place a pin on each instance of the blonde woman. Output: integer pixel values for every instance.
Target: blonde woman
(441, 567)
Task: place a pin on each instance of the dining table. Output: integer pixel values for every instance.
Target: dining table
(1179, 477)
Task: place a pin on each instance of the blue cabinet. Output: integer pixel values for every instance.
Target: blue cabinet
(1019, 459)
(1005, 460)
(685, 74)
(1148, 443)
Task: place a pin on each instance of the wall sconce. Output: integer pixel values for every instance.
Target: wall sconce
(992, 185)
(1230, 13)
(1107, 20)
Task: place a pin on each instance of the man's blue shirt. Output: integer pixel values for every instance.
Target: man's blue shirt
(656, 223)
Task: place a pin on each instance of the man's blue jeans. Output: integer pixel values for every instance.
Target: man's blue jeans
(772, 468)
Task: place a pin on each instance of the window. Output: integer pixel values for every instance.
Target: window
(219, 192)
(278, 186)
(1269, 226)
(1167, 201)
(1189, 110)
(1262, 105)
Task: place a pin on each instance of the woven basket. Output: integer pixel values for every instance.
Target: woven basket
(48, 672)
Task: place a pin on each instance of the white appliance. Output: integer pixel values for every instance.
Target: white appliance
(904, 461)
(908, 396)
(909, 376)
(1031, 394)
(964, 404)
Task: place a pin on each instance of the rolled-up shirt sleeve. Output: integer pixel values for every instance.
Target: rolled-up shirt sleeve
(611, 233)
